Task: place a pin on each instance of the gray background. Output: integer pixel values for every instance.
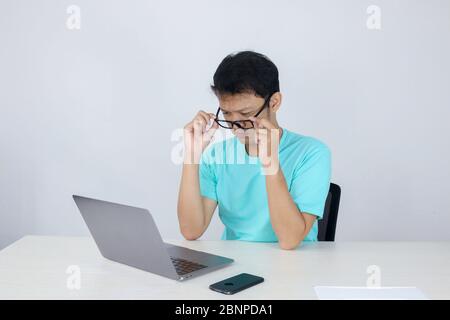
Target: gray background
(92, 111)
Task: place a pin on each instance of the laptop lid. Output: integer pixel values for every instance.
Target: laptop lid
(127, 235)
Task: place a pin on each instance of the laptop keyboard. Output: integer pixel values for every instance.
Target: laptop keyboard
(185, 266)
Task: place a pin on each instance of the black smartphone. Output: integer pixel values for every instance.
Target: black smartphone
(237, 283)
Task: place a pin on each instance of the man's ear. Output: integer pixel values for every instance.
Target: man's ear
(275, 102)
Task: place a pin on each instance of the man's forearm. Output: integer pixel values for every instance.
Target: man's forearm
(287, 220)
(190, 206)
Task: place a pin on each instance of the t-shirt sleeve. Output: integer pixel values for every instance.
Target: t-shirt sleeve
(207, 177)
(311, 182)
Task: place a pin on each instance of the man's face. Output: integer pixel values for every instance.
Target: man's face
(240, 107)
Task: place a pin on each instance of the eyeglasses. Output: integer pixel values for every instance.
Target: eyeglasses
(240, 124)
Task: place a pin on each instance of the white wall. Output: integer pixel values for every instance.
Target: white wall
(91, 111)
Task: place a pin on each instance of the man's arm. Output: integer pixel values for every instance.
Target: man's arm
(194, 211)
(289, 223)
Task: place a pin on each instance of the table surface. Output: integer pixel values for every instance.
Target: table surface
(36, 267)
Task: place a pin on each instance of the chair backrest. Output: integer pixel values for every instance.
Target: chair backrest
(327, 225)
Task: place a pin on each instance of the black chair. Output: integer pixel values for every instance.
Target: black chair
(327, 225)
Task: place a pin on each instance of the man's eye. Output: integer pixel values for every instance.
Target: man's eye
(244, 114)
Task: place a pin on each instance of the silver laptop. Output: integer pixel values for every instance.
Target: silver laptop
(129, 235)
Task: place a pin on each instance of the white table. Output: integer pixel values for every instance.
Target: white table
(35, 267)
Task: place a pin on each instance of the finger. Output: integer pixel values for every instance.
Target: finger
(266, 124)
(210, 133)
(263, 130)
(211, 123)
(200, 122)
(257, 122)
(209, 118)
(253, 119)
(263, 148)
(261, 134)
(203, 123)
(251, 134)
(189, 127)
(203, 117)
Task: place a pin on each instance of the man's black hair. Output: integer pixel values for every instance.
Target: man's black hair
(246, 72)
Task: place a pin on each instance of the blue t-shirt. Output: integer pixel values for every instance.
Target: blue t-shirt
(235, 180)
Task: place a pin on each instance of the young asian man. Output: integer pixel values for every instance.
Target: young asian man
(278, 192)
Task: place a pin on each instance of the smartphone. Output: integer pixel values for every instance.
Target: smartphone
(237, 283)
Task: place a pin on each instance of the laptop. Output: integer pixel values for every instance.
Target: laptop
(129, 235)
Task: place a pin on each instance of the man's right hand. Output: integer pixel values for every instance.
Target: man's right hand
(197, 137)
